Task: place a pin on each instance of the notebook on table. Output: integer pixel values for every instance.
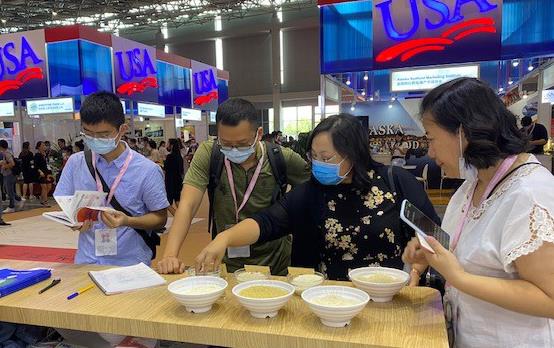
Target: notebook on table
(13, 280)
(124, 279)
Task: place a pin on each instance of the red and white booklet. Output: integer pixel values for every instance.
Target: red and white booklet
(76, 209)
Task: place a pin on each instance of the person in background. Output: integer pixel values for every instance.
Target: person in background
(154, 153)
(133, 144)
(174, 174)
(499, 265)
(44, 177)
(28, 170)
(163, 151)
(537, 133)
(61, 144)
(144, 146)
(345, 217)
(79, 146)
(245, 164)
(7, 163)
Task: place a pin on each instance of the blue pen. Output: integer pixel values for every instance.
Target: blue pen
(75, 294)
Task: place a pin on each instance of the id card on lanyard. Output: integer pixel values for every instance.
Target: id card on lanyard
(105, 240)
(242, 251)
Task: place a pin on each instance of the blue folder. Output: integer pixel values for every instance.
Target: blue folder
(12, 280)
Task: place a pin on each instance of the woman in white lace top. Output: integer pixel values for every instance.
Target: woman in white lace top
(500, 266)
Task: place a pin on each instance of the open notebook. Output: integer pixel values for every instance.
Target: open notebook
(125, 279)
(82, 206)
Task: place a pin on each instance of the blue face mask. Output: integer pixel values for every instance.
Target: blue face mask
(238, 156)
(101, 146)
(328, 173)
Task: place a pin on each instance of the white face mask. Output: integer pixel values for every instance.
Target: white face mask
(466, 171)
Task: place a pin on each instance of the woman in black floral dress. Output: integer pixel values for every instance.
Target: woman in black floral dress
(345, 217)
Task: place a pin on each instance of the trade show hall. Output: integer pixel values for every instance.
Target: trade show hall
(277, 174)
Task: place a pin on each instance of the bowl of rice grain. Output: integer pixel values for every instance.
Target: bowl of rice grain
(302, 282)
(335, 305)
(198, 293)
(263, 298)
(381, 283)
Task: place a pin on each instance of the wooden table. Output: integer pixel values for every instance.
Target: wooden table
(413, 319)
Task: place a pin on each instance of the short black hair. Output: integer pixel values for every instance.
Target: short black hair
(26, 145)
(489, 127)
(102, 106)
(351, 140)
(233, 111)
(80, 144)
(133, 141)
(152, 144)
(61, 140)
(526, 121)
(38, 145)
(47, 143)
(3, 144)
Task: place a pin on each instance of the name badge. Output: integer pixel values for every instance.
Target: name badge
(236, 252)
(105, 242)
(233, 253)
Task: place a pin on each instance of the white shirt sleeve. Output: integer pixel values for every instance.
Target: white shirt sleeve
(529, 223)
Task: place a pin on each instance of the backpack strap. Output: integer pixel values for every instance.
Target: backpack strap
(216, 168)
(151, 239)
(278, 168)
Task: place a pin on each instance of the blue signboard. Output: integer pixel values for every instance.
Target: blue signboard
(23, 65)
(430, 32)
(135, 70)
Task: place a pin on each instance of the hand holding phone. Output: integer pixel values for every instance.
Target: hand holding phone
(423, 226)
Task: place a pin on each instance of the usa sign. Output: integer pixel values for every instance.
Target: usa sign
(23, 65)
(430, 32)
(135, 70)
(204, 84)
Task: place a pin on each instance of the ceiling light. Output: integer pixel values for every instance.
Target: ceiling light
(530, 68)
(501, 90)
(510, 82)
(352, 108)
(363, 93)
(370, 98)
(366, 77)
(393, 99)
(54, 13)
(390, 106)
(348, 82)
(515, 63)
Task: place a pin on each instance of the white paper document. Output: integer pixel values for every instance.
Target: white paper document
(125, 279)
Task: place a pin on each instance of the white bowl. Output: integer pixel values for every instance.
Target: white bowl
(241, 273)
(301, 287)
(379, 292)
(263, 307)
(197, 303)
(335, 316)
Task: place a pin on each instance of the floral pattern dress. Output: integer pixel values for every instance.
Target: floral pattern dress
(360, 229)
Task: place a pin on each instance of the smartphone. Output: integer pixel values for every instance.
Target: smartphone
(423, 226)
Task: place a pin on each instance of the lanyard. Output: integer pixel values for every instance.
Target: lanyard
(250, 185)
(118, 177)
(502, 170)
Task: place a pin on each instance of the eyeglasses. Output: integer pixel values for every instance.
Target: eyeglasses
(324, 160)
(102, 135)
(241, 147)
